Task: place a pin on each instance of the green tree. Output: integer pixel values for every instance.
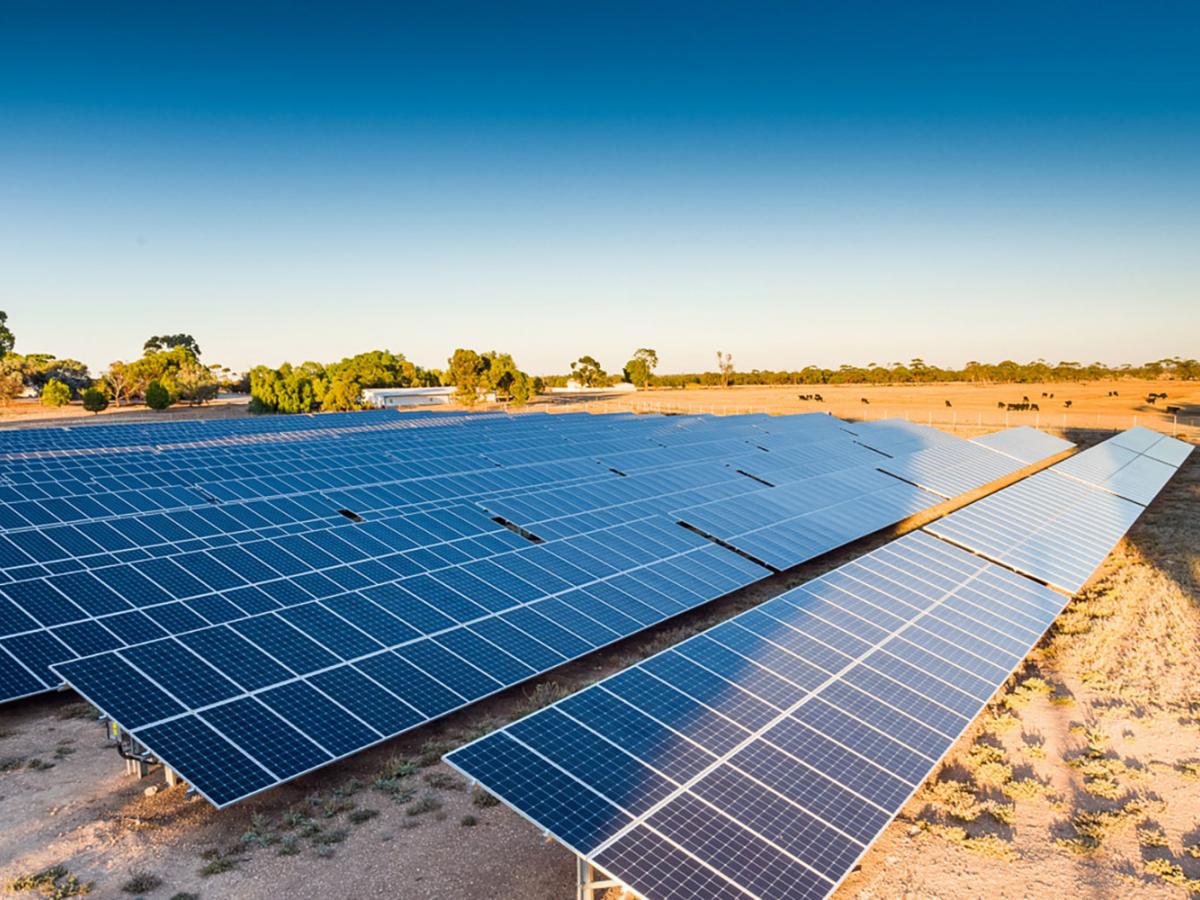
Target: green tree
(639, 369)
(7, 339)
(11, 386)
(342, 394)
(157, 396)
(94, 400)
(157, 343)
(466, 370)
(587, 371)
(55, 393)
(521, 389)
(120, 381)
(196, 384)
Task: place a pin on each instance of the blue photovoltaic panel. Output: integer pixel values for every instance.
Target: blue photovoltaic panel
(1059, 529)
(786, 525)
(1134, 464)
(337, 650)
(761, 757)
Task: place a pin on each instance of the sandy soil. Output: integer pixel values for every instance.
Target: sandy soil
(1120, 733)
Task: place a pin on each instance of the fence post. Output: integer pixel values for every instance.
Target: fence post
(1175, 425)
(1037, 419)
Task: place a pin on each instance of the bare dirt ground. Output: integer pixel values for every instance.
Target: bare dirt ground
(1082, 779)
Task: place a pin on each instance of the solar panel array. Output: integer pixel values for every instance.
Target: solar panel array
(761, 757)
(283, 599)
(1060, 524)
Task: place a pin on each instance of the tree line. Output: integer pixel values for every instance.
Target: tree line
(170, 371)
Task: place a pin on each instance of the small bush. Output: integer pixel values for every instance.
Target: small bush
(330, 837)
(157, 396)
(468, 821)
(219, 866)
(433, 751)
(54, 882)
(483, 799)
(94, 401)
(426, 804)
(142, 883)
(55, 393)
(359, 816)
(444, 781)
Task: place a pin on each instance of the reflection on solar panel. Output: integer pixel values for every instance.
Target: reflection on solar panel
(1134, 464)
(786, 525)
(761, 757)
(839, 496)
(1024, 443)
(1060, 524)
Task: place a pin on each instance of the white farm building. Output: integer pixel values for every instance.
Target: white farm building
(388, 398)
(418, 396)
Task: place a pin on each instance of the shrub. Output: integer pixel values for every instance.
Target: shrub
(94, 401)
(157, 396)
(55, 393)
(142, 883)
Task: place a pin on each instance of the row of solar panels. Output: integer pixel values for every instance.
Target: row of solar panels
(78, 590)
(369, 639)
(205, 579)
(762, 757)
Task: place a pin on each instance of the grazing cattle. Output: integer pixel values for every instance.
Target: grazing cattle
(1034, 407)
(1051, 396)
(1044, 394)
(818, 398)
(866, 402)
(947, 402)
(1067, 404)
(1024, 399)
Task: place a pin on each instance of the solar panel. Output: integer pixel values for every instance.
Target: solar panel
(1058, 525)
(761, 757)
(1023, 443)
(394, 656)
(1134, 464)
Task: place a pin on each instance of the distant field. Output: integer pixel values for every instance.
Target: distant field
(971, 405)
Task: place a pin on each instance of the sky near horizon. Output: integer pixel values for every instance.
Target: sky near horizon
(793, 183)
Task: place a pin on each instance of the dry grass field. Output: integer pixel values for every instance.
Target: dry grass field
(972, 406)
(1082, 778)
(953, 406)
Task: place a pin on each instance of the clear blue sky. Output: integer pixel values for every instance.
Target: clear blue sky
(795, 184)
